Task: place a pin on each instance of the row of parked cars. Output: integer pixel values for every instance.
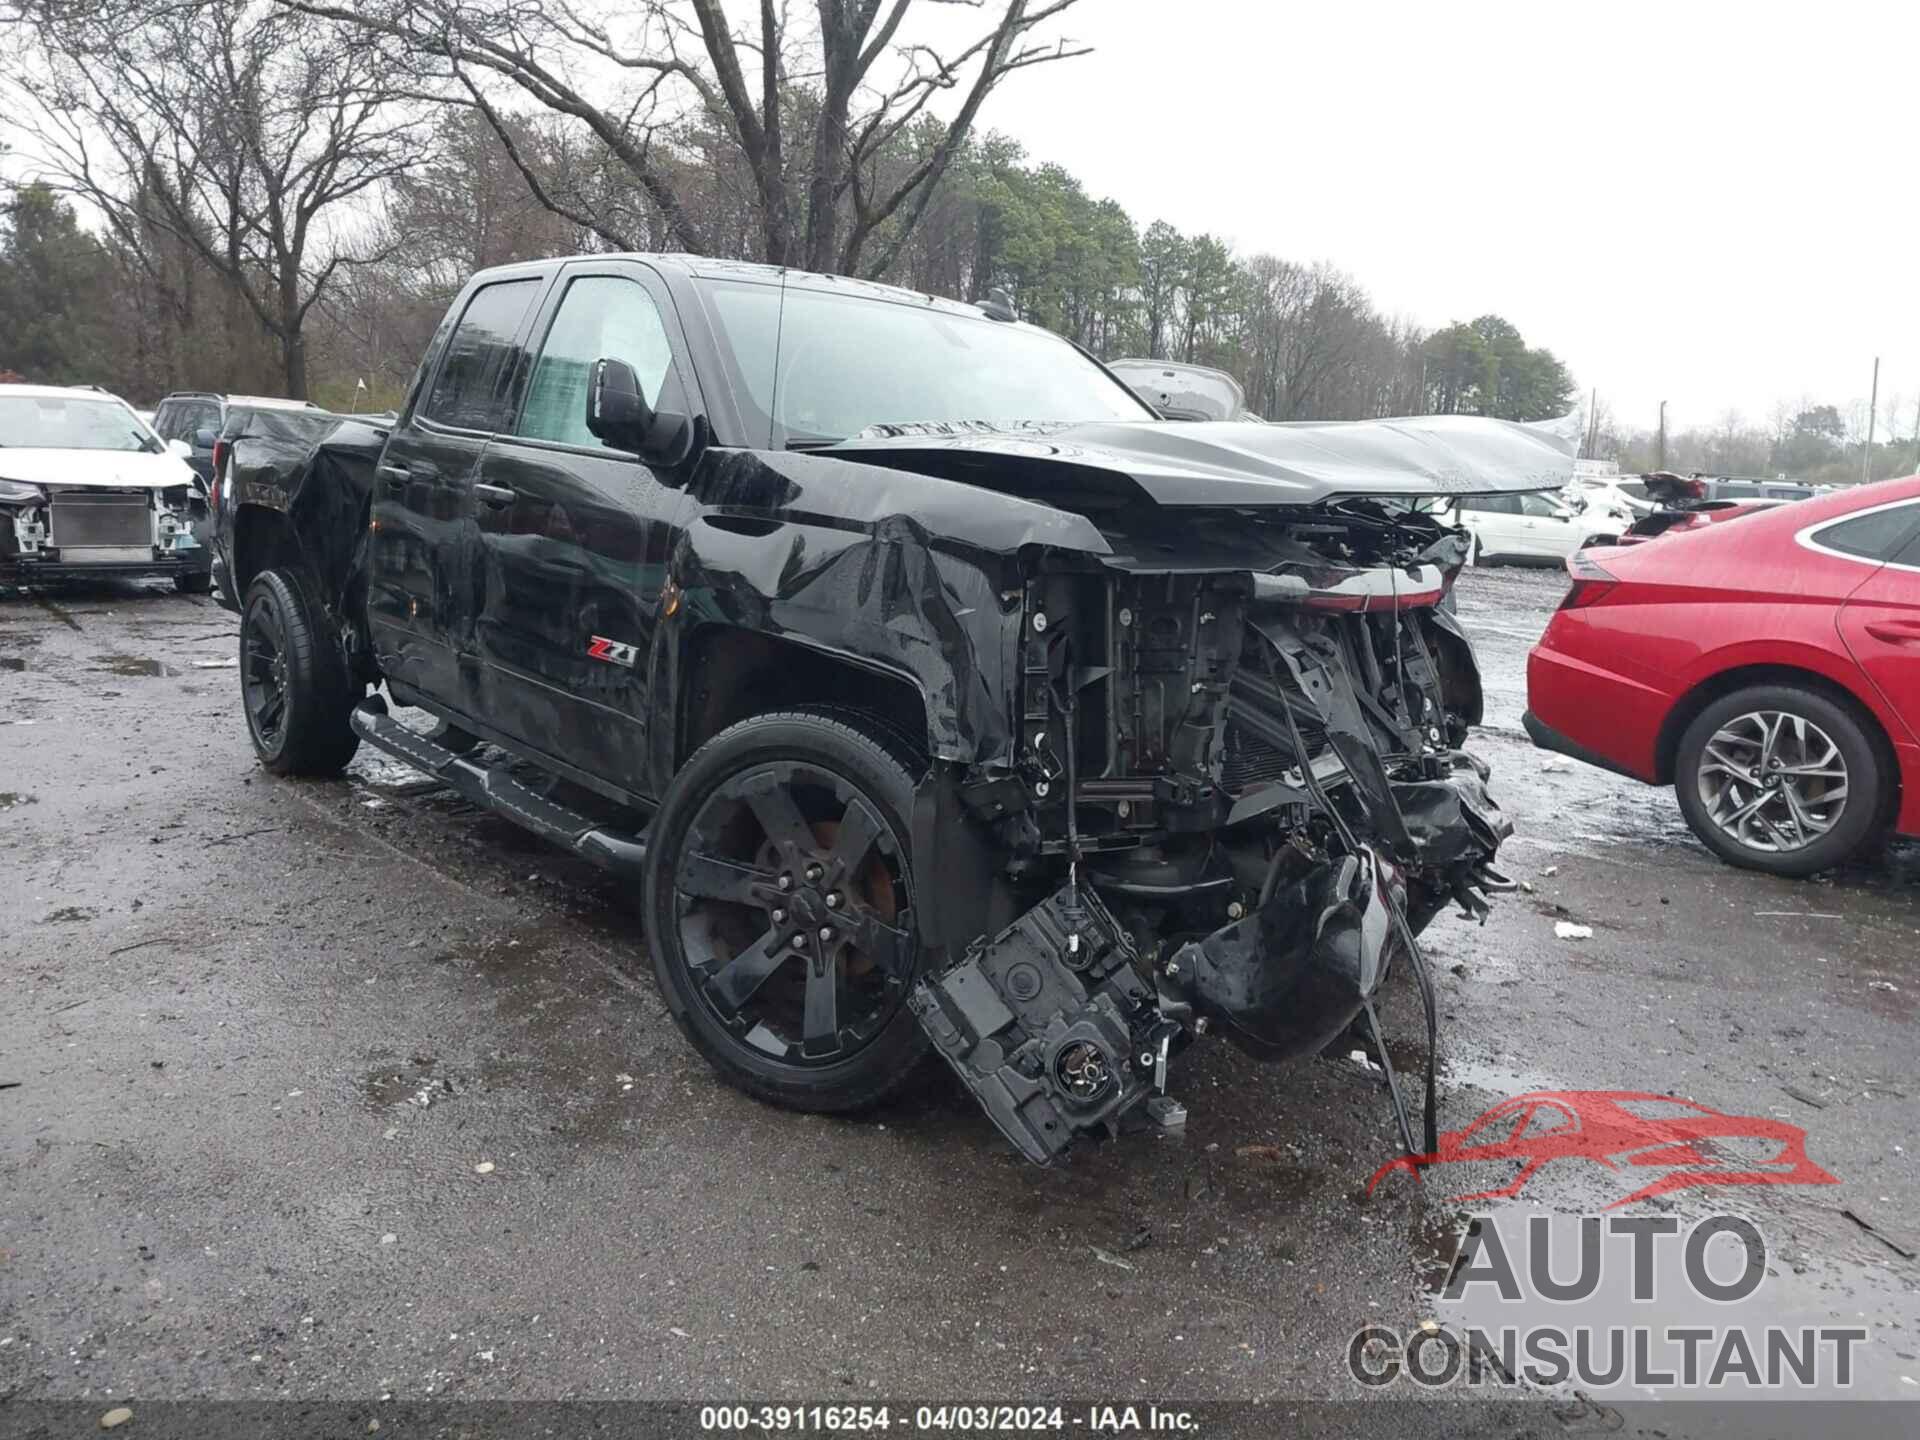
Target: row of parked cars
(90, 487)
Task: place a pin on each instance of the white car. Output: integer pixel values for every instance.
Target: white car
(88, 489)
(1623, 499)
(1533, 527)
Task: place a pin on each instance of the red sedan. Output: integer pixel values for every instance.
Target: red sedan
(1769, 671)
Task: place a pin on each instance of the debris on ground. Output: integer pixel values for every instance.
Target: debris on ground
(1139, 1240)
(1803, 1097)
(1567, 930)
(1550, 870)
(119, 1415)
(1364, 1060)
(485, 1167)
(1272, 1154)
(230, 663)
(1886, 985)
(1903, 1251)
(1108, 1258)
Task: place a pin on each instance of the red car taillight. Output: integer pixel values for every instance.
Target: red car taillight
(1591, 581)
(219, 454)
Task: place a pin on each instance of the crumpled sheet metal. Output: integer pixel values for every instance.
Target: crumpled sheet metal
(882, 594)
(1246, 463)
(319, 469)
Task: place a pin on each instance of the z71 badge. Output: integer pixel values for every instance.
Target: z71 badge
(614, 652)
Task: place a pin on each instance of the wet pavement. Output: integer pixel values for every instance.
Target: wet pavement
(346, 1090)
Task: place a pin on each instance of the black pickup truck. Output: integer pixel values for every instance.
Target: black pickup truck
(938, 696)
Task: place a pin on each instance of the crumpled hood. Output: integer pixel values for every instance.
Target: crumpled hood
(102, 469)
(1243, 463)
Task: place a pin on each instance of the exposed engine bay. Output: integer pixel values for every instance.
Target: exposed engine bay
(55, 530)
(1240, 797)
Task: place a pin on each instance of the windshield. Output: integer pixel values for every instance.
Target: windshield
(827, 367)
(71, 422)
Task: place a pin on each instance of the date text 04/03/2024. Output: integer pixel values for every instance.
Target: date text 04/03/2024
(1103, 1419)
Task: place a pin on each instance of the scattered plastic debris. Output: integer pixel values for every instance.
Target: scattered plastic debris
(119, 1415)
(676, 1330)
(389, 1238)
(1905, 1252)
(230, 663)
(1567, 930)
(1554, 766)
(1363, 1060)
(1550, 870)
(1886, 985)
(485, 1167)
(1108, 1258)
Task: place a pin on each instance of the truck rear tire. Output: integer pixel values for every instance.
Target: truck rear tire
(293, 681)
(779, 905)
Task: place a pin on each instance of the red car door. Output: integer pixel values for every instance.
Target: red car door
(1880, 621)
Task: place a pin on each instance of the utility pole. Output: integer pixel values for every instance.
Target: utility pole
(1916, 436)
(1873, 413)
(1661, 463)
(1593, 420)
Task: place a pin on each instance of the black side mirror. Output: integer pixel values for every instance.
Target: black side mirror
(618, 415)
(203, 438)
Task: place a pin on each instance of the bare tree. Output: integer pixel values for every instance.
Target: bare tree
(847, 78)
(246, 133)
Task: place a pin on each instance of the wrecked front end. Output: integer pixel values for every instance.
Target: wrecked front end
(1237, 797)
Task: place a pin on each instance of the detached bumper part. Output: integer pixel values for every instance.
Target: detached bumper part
(1287, 979)
(1050, 1024)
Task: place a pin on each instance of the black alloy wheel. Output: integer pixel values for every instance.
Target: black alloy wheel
(780, 914)
(293, 681)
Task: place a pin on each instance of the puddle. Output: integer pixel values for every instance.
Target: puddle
(133, 665)
(12, 663)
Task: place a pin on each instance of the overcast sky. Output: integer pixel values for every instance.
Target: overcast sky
(1713, 204)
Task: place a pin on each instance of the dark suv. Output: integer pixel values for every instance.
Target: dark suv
(198, 417)
(937, 696)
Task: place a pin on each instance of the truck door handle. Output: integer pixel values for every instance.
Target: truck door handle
(494, 495)
(396, 476)
(1895, 632)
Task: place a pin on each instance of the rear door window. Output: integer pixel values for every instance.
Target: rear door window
(473, 389)
(1878, 535)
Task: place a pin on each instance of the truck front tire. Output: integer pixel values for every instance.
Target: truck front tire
(293, 681)
(779, 908)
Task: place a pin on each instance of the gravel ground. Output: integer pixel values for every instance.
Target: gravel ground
(343, 1091)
